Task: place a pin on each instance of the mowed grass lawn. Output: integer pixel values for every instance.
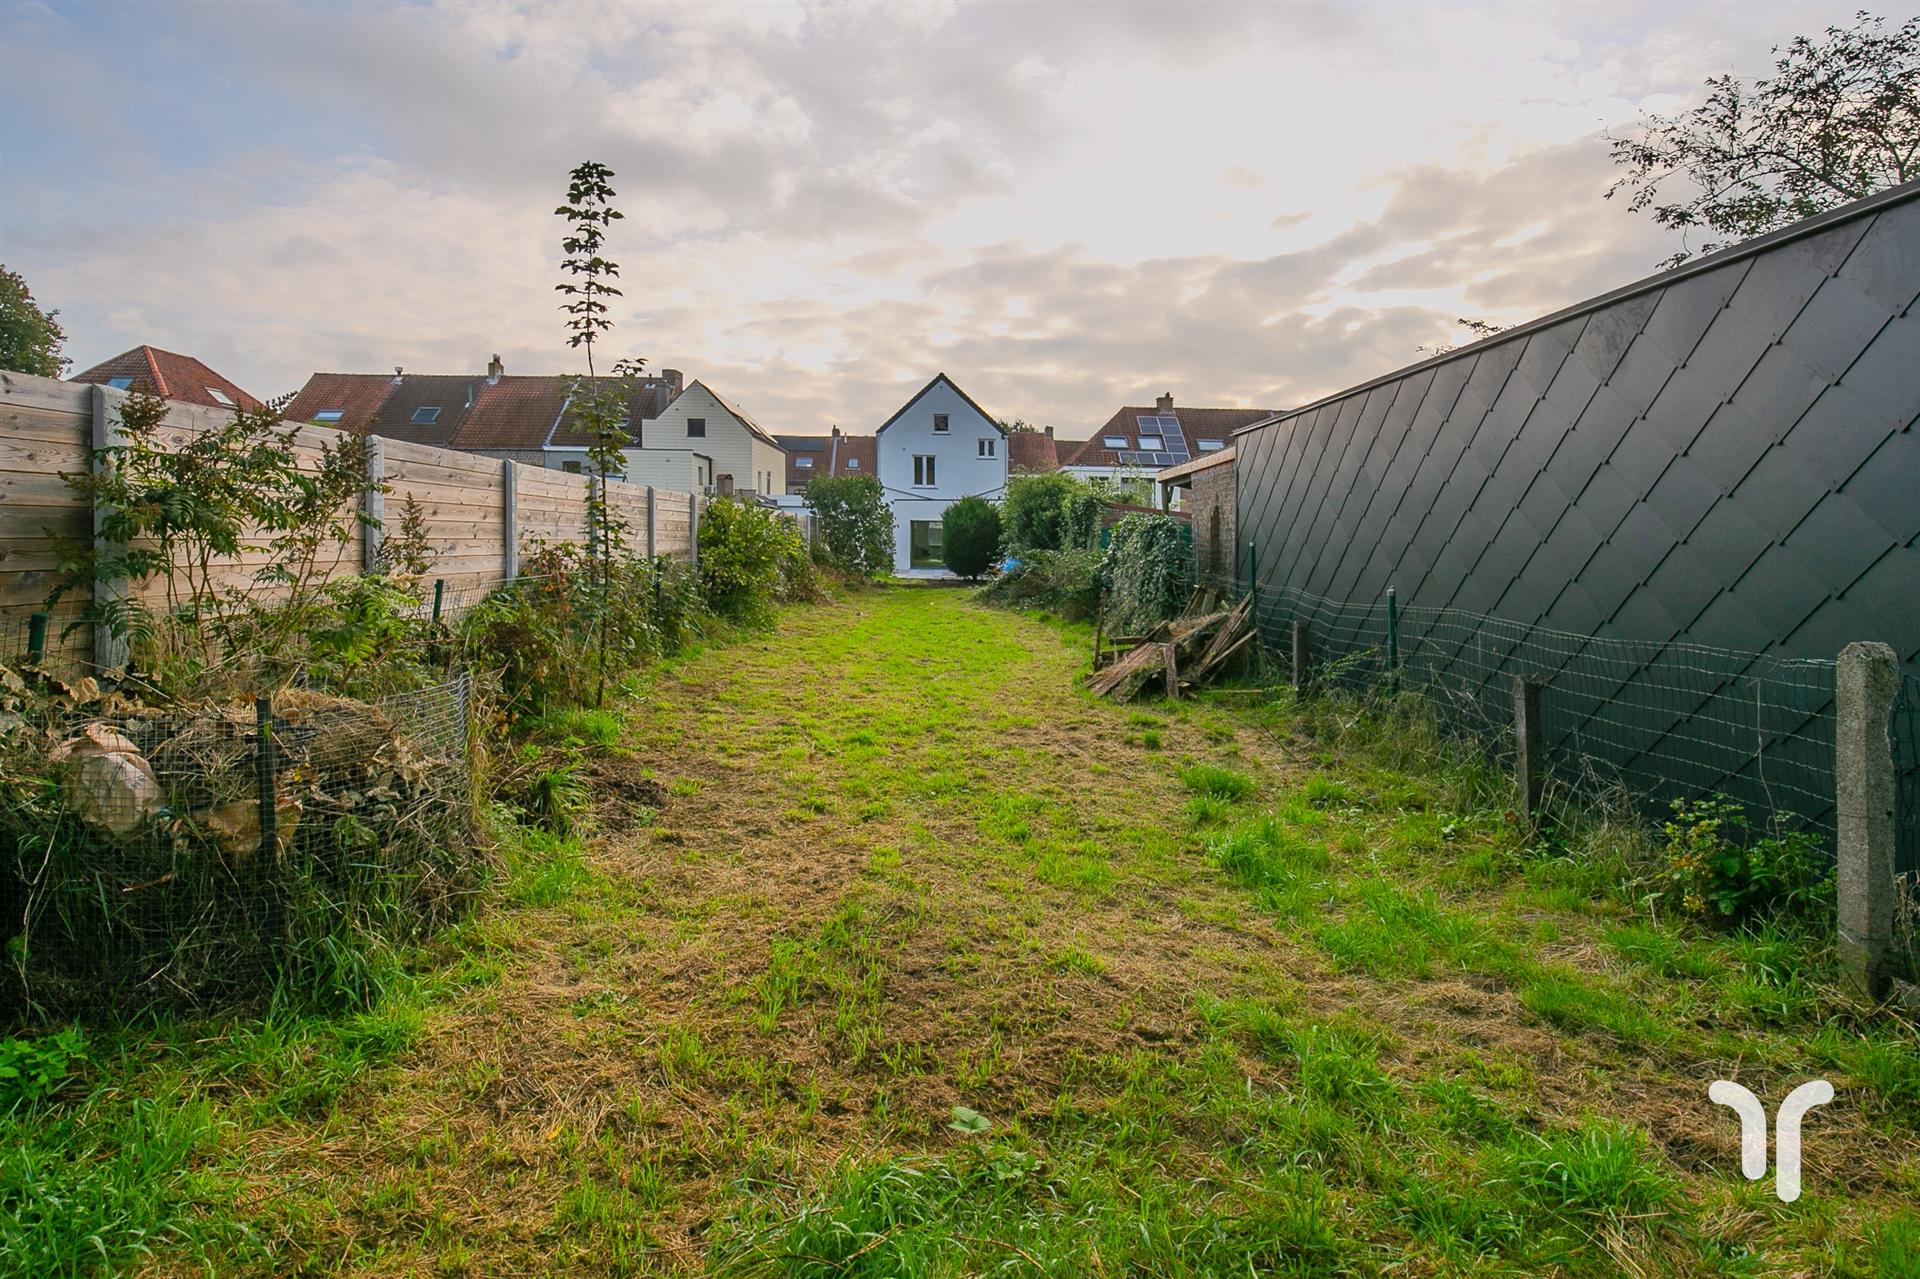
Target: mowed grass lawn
(933, 965)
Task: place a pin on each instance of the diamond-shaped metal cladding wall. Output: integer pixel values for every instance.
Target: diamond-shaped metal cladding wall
(1703, 474)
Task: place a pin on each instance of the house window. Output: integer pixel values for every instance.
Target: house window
(923, 471)
(924, 547)
(119, 383)
(853, 464)
(221, 398)
(1212, 446)
(696, 428)
(423, 416)
(802, 463)
(1113, 441)
(571, 468)
(329, 415)
(989, 447)
(939, 423)
(1151, 443)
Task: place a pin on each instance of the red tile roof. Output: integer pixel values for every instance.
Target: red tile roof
(517, 412)
(169, 376)
(521, 411)
(357, 397)
(1032, 451)
(1195, 424)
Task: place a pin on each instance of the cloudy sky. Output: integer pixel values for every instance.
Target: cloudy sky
(1067, 207)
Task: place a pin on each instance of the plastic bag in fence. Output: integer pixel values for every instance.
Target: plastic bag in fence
(108, 782)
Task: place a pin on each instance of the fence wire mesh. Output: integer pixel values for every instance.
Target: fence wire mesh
(1664, 721)
(199, 857)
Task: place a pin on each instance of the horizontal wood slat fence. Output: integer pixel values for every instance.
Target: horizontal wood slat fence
(482, 514)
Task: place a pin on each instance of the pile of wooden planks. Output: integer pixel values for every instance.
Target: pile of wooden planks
(1190, 650)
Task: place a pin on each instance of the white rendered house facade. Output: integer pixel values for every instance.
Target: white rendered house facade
(939, 448)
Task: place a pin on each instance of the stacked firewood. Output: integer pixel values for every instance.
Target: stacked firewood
(1192, 649)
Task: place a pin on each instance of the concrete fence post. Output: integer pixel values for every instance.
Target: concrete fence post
(1866, 681)
(109, 649)
(693, 528)
(1300, 656)
(1529, 746)
(373, 505)
(653, 524)
(509, 519)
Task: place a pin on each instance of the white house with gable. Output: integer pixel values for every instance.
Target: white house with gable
(938, 448)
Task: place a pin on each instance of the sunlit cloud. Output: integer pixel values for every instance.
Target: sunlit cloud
(1064, 207)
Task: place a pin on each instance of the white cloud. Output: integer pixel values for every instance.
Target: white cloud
(1062, 206)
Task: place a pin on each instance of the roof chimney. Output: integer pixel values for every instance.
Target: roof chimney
(1049, 431)
(398, 373)
(1165, 403)
(672, 377)
(836, 430)
(494, 370)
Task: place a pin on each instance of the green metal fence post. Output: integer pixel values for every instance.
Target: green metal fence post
(1393, 634)
(36, 638)
(439, 597)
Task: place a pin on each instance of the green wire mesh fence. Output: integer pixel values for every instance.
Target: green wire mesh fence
(195, 857)
(1664, 721)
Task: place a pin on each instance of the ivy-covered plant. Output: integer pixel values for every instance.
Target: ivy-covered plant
(1147, 572)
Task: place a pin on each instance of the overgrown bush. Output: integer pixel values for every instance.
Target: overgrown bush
(742, 548)
(856, 523)
(1061, 582)
(1051, 512)
(1713, 870)
(970, 534)
(1147, 573)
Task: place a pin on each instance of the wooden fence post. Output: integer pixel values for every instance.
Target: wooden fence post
(1529, 746)
(510, 519)
(1866, 681)
(373, 504)
(109, 649)
(653, 525)
(1299, 657)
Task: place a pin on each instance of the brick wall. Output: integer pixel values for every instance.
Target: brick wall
(1210, 505)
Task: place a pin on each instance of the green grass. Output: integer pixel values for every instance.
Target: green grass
(1268, 989)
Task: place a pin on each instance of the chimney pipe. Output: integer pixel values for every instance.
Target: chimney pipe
(494, 370)
(398, 373)
(1165, 403)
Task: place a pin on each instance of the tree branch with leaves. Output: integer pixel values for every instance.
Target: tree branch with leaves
(1838, 120)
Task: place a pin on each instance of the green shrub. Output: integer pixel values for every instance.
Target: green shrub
(742, 546)
(1062, 582)
(856, 523)
(970, 532)
(1147, 572)
(1052, 512)
(1712, 871)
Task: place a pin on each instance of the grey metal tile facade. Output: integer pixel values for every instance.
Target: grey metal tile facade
(1724, 455)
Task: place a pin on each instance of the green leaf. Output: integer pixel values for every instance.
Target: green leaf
(968, 1121)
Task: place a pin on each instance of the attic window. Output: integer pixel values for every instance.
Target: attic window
(940, 422)
(329, 415)
(1151, 443)
(803, 461)
(1114, 441)
(1211, 446)
(696, 428)
(221, 397)
(426, 416)
(119, 383)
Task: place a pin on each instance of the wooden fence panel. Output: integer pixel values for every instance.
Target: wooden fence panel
(46, 430)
